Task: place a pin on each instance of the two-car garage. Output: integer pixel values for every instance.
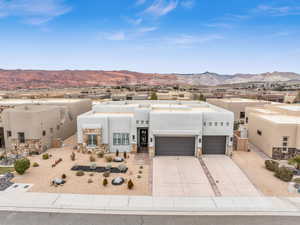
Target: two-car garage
(185, 146)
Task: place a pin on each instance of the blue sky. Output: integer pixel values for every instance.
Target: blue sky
(184, 36)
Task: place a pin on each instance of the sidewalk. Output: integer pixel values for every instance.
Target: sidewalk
(146, 205)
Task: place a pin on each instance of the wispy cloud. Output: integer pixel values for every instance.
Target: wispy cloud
(136, 21)
(188, 4)
(161, 7)
(146, 29)
(220, 25)
(140, 2)
(278, 10)
(34, 12)
(185, 39)
(113, 36)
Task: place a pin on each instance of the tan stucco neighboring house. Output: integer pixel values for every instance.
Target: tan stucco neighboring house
(236, 105)
(32, 126)
(275, 129)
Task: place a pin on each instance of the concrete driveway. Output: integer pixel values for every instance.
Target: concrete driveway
(179, 176)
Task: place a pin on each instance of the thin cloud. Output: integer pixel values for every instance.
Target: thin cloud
(161, 7)
(113, 36)
(278, 10)
(188, 4)
(146, 29)
(186, 39)
(140, 2)
(136, 21)
(34, 12)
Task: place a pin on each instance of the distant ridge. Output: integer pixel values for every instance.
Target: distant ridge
(33, 79)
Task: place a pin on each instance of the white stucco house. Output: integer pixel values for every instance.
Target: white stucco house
(162, 128)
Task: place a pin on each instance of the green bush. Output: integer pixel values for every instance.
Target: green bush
(21, 165)
(297, 180)
(45, 156)
(284, 174)
(79, 173)
(105, 182)
(35, 164)
(130, 184)
(272, 165)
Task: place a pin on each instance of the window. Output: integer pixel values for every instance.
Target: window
(92, 140)
(216, 123)
(227, 124)
(147, 121)
(120, 138)
(259, 132)
(221, 123)
(51, 130)
(284, 144)
(57, 127)
(247, 119)
(242, 115)
(204, 123)
(210, 124)
(44, 133)
(285, 138)
(142, 121)
(21, 137)
(137, 122)
(8, 133)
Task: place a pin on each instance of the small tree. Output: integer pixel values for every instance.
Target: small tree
(125, 155)
(130, 184)
(73, 156)
(153, 96)
(22, 165)
(105, 182)
(296, 161)
(117, 153)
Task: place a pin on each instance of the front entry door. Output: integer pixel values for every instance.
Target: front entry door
(142, 139)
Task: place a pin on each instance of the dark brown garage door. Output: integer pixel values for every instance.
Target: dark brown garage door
(214, 144)
(174, 146)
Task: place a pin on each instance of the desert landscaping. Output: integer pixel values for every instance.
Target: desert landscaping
(90, 182)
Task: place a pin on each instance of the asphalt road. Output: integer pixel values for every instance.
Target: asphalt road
(29, 218)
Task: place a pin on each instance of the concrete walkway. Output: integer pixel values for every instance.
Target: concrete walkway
(145, 205)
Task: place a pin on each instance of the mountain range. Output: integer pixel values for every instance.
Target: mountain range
(33, 79)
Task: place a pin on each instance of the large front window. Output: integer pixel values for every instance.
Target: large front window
(121, 138)
(92, 140)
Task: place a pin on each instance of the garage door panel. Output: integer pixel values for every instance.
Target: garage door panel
(214, 144)
(175, 146)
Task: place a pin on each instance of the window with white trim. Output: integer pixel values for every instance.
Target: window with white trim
(120, 138)
(92, 140)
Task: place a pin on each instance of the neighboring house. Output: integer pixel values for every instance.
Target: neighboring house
(275, 129)
(174, 128)
(237, 106)
(36, 125)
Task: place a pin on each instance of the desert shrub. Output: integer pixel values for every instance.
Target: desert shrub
(79, 173)
(124, 155)
(108, 158)
(284, 174)
(117, 153)
(140, 172)
(106, 174)
(35, 164)
(104, 182)
(63, 176)
(100, 154)
(93, 166)
(91, 174)
(21, 165)
(139, 176)
(73, 156)
(90, 181)
(108, 167)
(272, 165)
(45, 156)
(130, 184)
(92, 159)
(75, 147)
(297, 180)
(122, 168)
(141, 167)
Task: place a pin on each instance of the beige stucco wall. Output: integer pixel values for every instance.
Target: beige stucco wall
(59, 118)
